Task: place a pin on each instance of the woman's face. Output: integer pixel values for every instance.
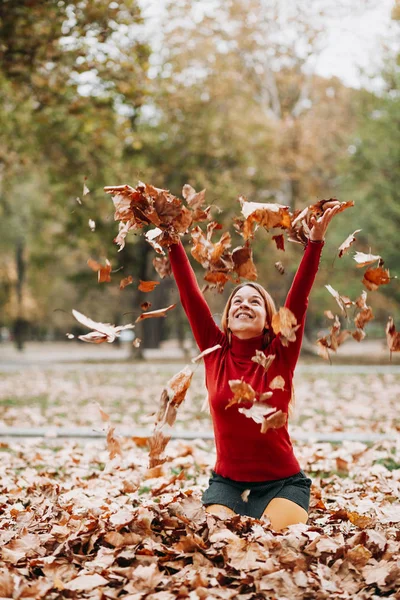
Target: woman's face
(247, 316)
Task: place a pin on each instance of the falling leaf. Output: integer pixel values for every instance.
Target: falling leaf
(242, 392)
(85, 190)
(206, 352)
(126, 281)
(113, 443)
(279, 266)
(104, 416)
(258, 411)
(363, 259)
(264, 215)
(343, 248)
(343, 301)
(285, 323)
(359, 335)
(152, 236)
(162, 265)
(243, 263)
(70, 336)
(102, 271)
(392, 336)
(245, 495)
(193, 198)
(157, 445)
(374, 277)
(103, 331)
(155, 313)
(78, 200)
(145, 306)
(261, 359)
(279, 241)
(136, 342)
(92, 224)
(278, 383)
(275, 421)
(179, 385)
(329, 314)
(365, 314)
(147, 286)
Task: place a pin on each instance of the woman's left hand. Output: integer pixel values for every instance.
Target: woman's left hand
(319, 226)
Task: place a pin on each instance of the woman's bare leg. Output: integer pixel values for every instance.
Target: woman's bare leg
(282, 513)
(221, 511)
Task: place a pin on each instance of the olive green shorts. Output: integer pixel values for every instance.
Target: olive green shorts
(225, 491)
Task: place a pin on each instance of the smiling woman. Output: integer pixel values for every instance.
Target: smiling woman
(256, 472)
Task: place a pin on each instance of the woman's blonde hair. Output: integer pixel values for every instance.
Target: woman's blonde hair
(269, 307)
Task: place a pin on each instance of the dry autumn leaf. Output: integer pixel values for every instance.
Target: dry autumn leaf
(155, 313)
(263, 215)
(363, 259)
(345, 246)
(285, 323)
(279, 241)
(145, 306)
(206, 352)
(365, 314)
(162, 265)
(103, 332)
(374, 277)
(243, 263)
(275, 421)
(258, 411)
(125, 281)
(147, 286)
(343, 301)
(278, 383)
(103, 272)
(392, 336)
(242, 392)
(261, 359)
(279, 267)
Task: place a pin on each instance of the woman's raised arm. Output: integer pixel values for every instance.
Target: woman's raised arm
(205, 330)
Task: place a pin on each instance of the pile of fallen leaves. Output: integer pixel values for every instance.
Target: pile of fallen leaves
(75, 524)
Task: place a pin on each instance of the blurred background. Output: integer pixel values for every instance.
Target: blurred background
(280, 101)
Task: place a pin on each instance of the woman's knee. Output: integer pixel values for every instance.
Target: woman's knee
(282, 513)
(221, 511)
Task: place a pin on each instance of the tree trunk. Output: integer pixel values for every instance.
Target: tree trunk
(20, 324)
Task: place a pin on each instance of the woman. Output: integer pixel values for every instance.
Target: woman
(256, 474)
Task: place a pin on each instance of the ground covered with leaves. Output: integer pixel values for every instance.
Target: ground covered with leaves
(80, 520)
(75, 524)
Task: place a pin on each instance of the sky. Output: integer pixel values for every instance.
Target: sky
(353, 43)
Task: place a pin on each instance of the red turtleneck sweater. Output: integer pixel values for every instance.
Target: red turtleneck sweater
(243, 452)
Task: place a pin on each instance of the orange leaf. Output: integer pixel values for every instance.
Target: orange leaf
(155, 313)
(392, 336)
(279, 241)
(261, 359)
(242, 392)
(275, 421)
(285, 323)
(343, 248)
(126, 281)
(363, 259)
(373, 278)
(147, 286)
(243, 263)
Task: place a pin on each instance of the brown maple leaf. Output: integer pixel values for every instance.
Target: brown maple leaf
(392, 336)
(157, 444)
(161, 312)
(345, 246)
(374, 277)
(263, 215)
(285, 323)
(261, 359)
(343, 301)
(242, 257)
(242, 392)
(103, 332)
(103, 272)
(126, 281)
(147, 286)
(363, 259)
(279, 241)
(113, 443)
(275, 421)
(162, 265)
(365, 314)
(206, 352)
(278, 383)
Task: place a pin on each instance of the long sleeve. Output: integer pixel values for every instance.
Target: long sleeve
(205, 330)
(297, 298)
